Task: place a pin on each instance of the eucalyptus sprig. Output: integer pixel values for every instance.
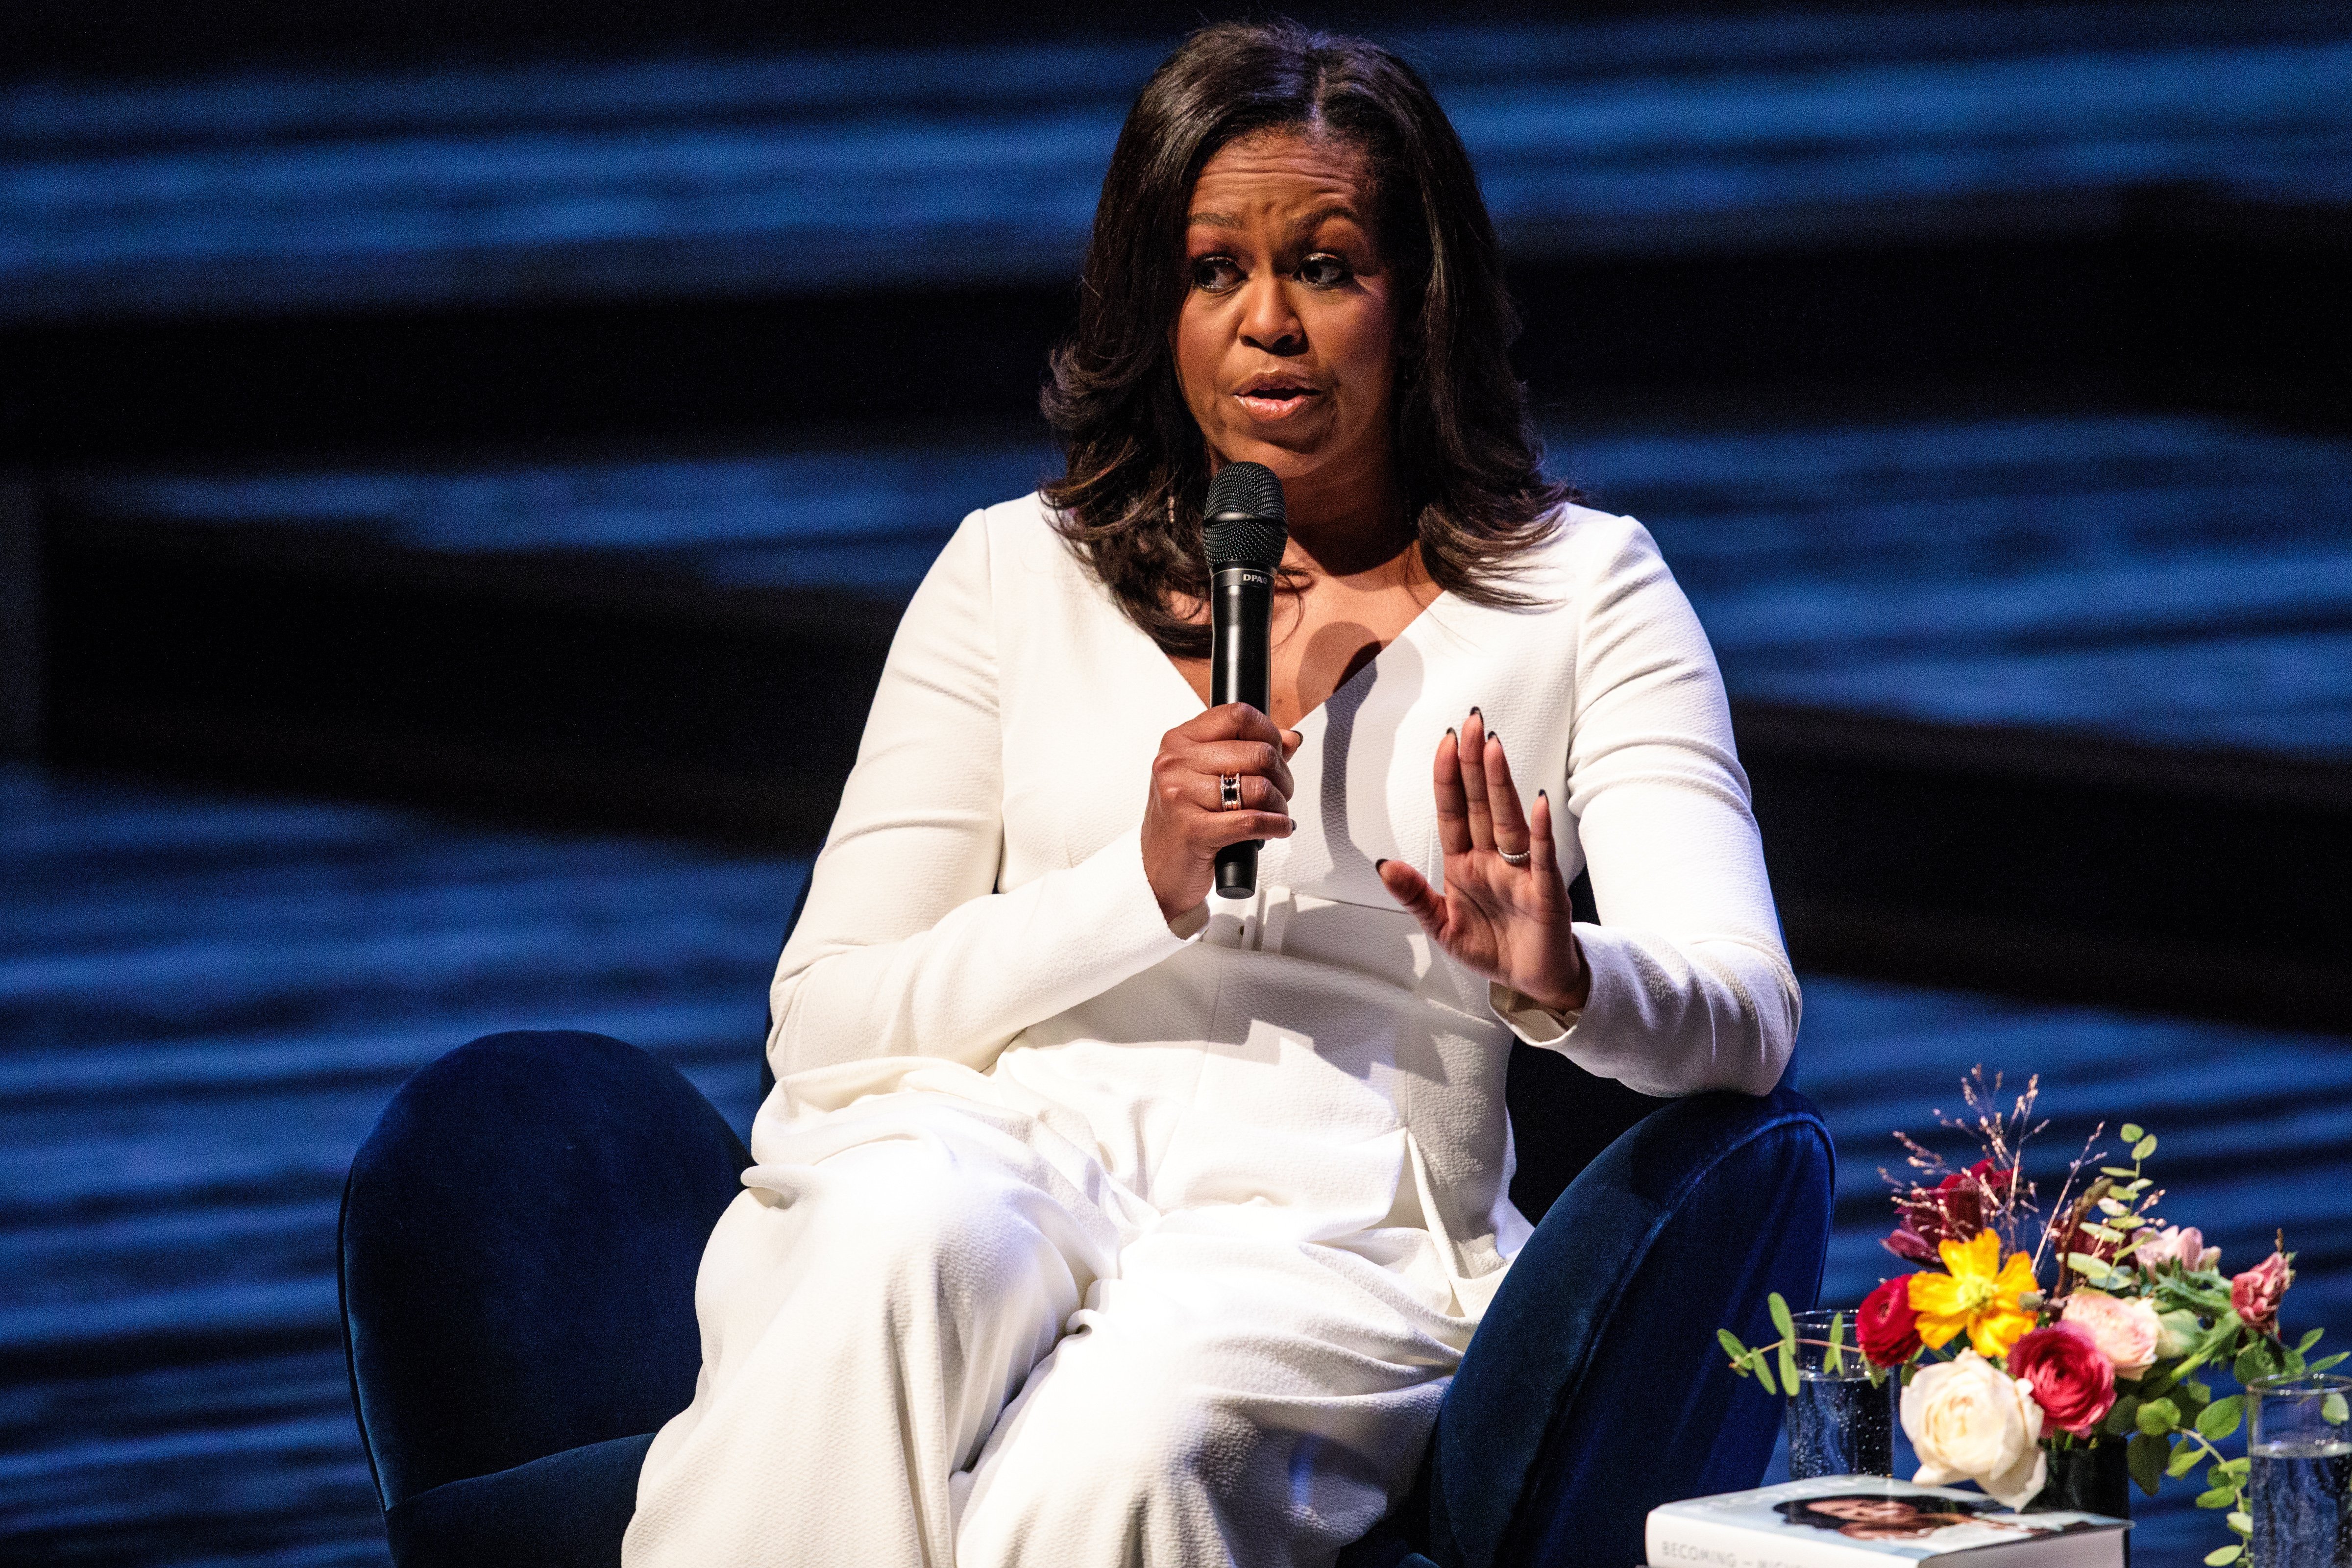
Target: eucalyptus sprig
(2126, 1200)
(1759, 1360)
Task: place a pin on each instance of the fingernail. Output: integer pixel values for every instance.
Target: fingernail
(1378, 864)
(1543, 794)
(1494, 737)
(1449, 729)
(1475, 713)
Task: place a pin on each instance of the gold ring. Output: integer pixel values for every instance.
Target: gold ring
(1229, 789)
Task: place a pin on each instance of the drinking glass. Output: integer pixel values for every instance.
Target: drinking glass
(2301, 1490)
(1839, 1423)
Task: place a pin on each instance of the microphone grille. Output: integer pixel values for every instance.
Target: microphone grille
(1242, 521)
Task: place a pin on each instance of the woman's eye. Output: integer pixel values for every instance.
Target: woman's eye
(1215, 274)
(1323, 272)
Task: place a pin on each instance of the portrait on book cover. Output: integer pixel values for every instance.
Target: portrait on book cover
(1950, 1523)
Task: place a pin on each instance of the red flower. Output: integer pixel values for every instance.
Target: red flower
(2254, 1295)
(1885, 1324)
(1954, 1209)
(2070, 1376)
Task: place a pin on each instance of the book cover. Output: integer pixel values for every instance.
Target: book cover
(1855, 1521)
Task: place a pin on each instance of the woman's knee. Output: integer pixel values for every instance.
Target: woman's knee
(899, 1222)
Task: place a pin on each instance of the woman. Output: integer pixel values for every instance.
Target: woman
(1094, 1221)
(1866, 1516)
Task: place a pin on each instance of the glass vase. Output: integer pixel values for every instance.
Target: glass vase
(2300, 1491)
(2086, 1478)
(1839, 1423)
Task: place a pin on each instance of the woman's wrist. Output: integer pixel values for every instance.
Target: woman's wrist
(1572, 997)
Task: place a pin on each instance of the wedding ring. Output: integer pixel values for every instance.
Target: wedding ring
(1521, 858)
(1229, 789)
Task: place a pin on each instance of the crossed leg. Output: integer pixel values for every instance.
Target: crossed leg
(886, 1378)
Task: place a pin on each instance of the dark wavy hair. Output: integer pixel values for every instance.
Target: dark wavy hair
(1465, 448)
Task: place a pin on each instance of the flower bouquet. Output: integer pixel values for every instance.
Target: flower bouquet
(2026, 1341)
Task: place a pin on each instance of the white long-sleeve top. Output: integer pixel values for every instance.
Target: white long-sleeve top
(980, 922)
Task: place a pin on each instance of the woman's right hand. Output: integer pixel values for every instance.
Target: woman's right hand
(1186, 822)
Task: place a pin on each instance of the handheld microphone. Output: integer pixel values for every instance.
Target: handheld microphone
(1245, 529)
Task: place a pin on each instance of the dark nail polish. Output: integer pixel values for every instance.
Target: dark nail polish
(1543, 794)
(1495, 737)
(1449, 729)
(1475, 713)
(1378, 864)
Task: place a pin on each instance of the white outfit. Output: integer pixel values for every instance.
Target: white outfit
(1074, 1240)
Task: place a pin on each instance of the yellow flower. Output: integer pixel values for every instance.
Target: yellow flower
(1974, 1298)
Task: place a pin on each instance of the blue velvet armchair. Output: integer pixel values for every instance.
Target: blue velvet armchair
(520, 1233)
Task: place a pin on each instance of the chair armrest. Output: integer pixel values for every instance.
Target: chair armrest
(1594, 1389)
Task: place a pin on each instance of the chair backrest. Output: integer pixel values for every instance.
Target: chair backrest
(519, 1243)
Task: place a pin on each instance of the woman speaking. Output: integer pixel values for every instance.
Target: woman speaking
(1095, 1220)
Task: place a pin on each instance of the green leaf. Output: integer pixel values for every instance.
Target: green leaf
(1764, 1376)
(2219, 1497)
(2145, 1457)
(2253, 1361)
(1788, 1369)
(2235, 1469)
(2309, 1340)
(2323, 1363)
(2144, 1147)
(2333, 1410)
(1837, 1343)
(2184, 1459)
(2158, 1416)
(2243, 1523)
(2109, 1206)
(2221, 1417)
(1780, 1320)
(2119, 1418)
(2130, 1133)
(2088, 1267)
(2220, 1556)
(2123, 1171)
(2203, 1395)
(1731, 1345)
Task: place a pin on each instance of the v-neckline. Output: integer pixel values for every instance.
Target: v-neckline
(1160, 657)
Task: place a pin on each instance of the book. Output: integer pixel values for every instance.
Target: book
(1869, 1521)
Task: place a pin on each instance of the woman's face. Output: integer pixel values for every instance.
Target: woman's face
(1286, 342)
(1867, 1511)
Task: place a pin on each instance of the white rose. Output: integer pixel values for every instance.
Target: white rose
(1970, 1421)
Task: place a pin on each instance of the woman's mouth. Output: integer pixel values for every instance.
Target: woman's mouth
(1275, 399)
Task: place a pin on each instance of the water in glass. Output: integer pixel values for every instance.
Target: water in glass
(1838, 1423)
(1840, 1427)
(2298, 1500)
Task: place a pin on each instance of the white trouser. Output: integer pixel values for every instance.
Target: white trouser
(949, 1339)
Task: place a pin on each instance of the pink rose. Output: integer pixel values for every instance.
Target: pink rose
(2174, 1245)
(2126, 1332)
(2254, 1295)
(2070, 1377)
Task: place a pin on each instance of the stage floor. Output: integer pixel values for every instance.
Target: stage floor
(207, 999)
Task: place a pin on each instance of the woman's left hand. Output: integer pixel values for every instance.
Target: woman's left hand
(1507, 922)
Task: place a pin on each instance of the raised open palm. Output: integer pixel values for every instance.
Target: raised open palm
(1505, 910)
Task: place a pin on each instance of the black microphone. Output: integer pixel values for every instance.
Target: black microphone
(1244, 531)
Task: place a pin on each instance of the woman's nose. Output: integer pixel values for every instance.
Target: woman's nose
(1268, 324)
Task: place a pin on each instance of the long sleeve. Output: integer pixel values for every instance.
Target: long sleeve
(1691, 987)
(906, 947)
